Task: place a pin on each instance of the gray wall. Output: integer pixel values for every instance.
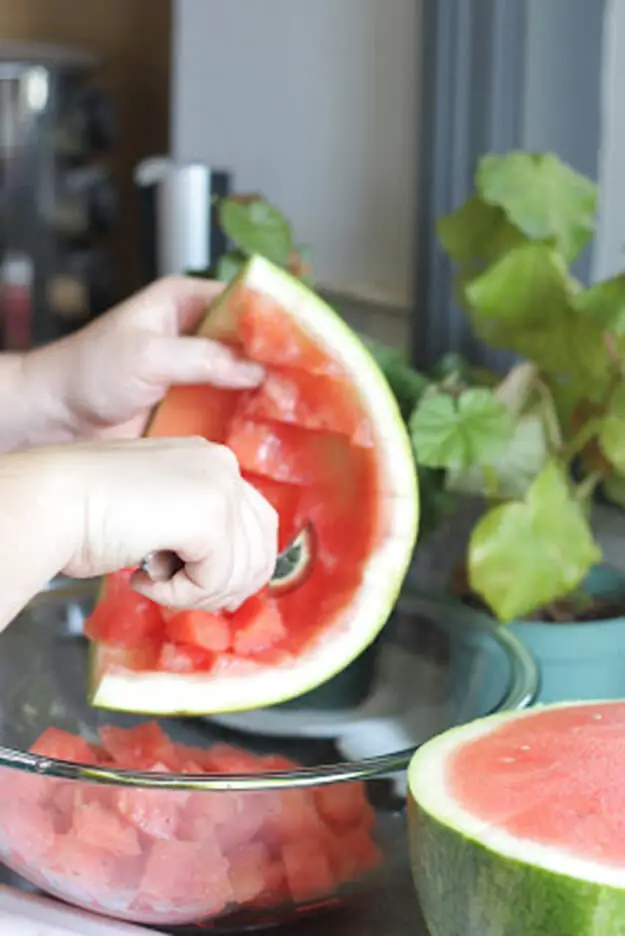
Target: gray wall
(313, 102)
(564, 52)
(576, 105)
(610, 249)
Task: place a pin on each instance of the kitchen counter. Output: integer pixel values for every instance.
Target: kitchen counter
(391, 910)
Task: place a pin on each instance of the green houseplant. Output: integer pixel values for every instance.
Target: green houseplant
(535, 446)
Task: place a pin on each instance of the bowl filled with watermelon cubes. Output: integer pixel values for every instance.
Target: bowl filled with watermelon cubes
(185, 822)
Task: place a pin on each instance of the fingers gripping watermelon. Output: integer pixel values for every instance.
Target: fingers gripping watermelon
(517, 824)
(323, 440)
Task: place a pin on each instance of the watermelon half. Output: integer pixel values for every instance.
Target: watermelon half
(517, 824)
(323, 440)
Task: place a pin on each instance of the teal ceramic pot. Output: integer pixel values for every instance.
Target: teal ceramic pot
(580, 660)
(576, 660)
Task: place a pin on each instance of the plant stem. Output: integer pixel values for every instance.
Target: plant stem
(549, 416)
(583, 437)
(586, 488)
(491, 482)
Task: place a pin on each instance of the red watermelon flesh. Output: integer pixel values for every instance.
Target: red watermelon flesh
(551, 777)
(308, 871)
(307, 439)
(165, 856)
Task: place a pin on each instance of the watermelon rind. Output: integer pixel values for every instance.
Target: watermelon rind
(162, 693)
(474, 879)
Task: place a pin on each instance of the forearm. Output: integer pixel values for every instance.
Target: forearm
(30, 410)
(34, 547)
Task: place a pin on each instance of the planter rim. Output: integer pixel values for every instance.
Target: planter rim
(570, 626)
(613, 582)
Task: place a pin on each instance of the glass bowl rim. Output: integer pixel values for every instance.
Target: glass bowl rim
(521, 691)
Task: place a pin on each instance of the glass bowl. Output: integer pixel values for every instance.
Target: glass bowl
(239, 825)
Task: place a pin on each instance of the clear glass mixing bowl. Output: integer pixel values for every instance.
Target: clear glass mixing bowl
(237, 849)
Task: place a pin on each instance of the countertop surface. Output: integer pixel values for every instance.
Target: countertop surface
(390, 910)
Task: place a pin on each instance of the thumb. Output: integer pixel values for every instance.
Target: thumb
(187, 360)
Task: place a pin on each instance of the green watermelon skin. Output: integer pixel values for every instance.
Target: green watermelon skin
(467, 890)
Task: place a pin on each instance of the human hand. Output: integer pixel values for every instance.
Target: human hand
(104, 380)
(107, 505)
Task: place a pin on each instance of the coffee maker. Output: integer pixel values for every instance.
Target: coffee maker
(57, 200)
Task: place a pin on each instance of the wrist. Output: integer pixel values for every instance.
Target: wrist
(40, 520)
(42, 376)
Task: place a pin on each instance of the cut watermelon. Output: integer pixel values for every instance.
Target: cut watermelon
(167, 856)
(323, 440)
(517, 824)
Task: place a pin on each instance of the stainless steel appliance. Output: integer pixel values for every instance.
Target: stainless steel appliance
(179, 217)
(57, 200)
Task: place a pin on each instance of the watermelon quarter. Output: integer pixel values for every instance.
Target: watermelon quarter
(517, 824)
(323, 440)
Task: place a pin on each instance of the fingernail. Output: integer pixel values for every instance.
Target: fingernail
(252, 368)
(250, 372)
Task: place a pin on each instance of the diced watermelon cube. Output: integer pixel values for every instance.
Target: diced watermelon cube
(275, 889)
(99, 826)
(257, 626)
(126, 619)
(235, 818)
(205, 811)
(285, 453)
(140, 747)
(61, 745)
(247, 873)
(187, 754)
(292, 817)
(15, 784)
(82, 869)
(63, 802)
(326, 404)
(308, 871)
(194, 410)
(122, 659)
(269, 336)
(190, 874)
(87, 865)
(344, 805)
(352, 854)
(191, 767)
(185, 658)
(200, 629)
(27, 829)
(102, 756)
(278, 763)
(247, 821)
(156, 813)
(70, 795)
(226, 758)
